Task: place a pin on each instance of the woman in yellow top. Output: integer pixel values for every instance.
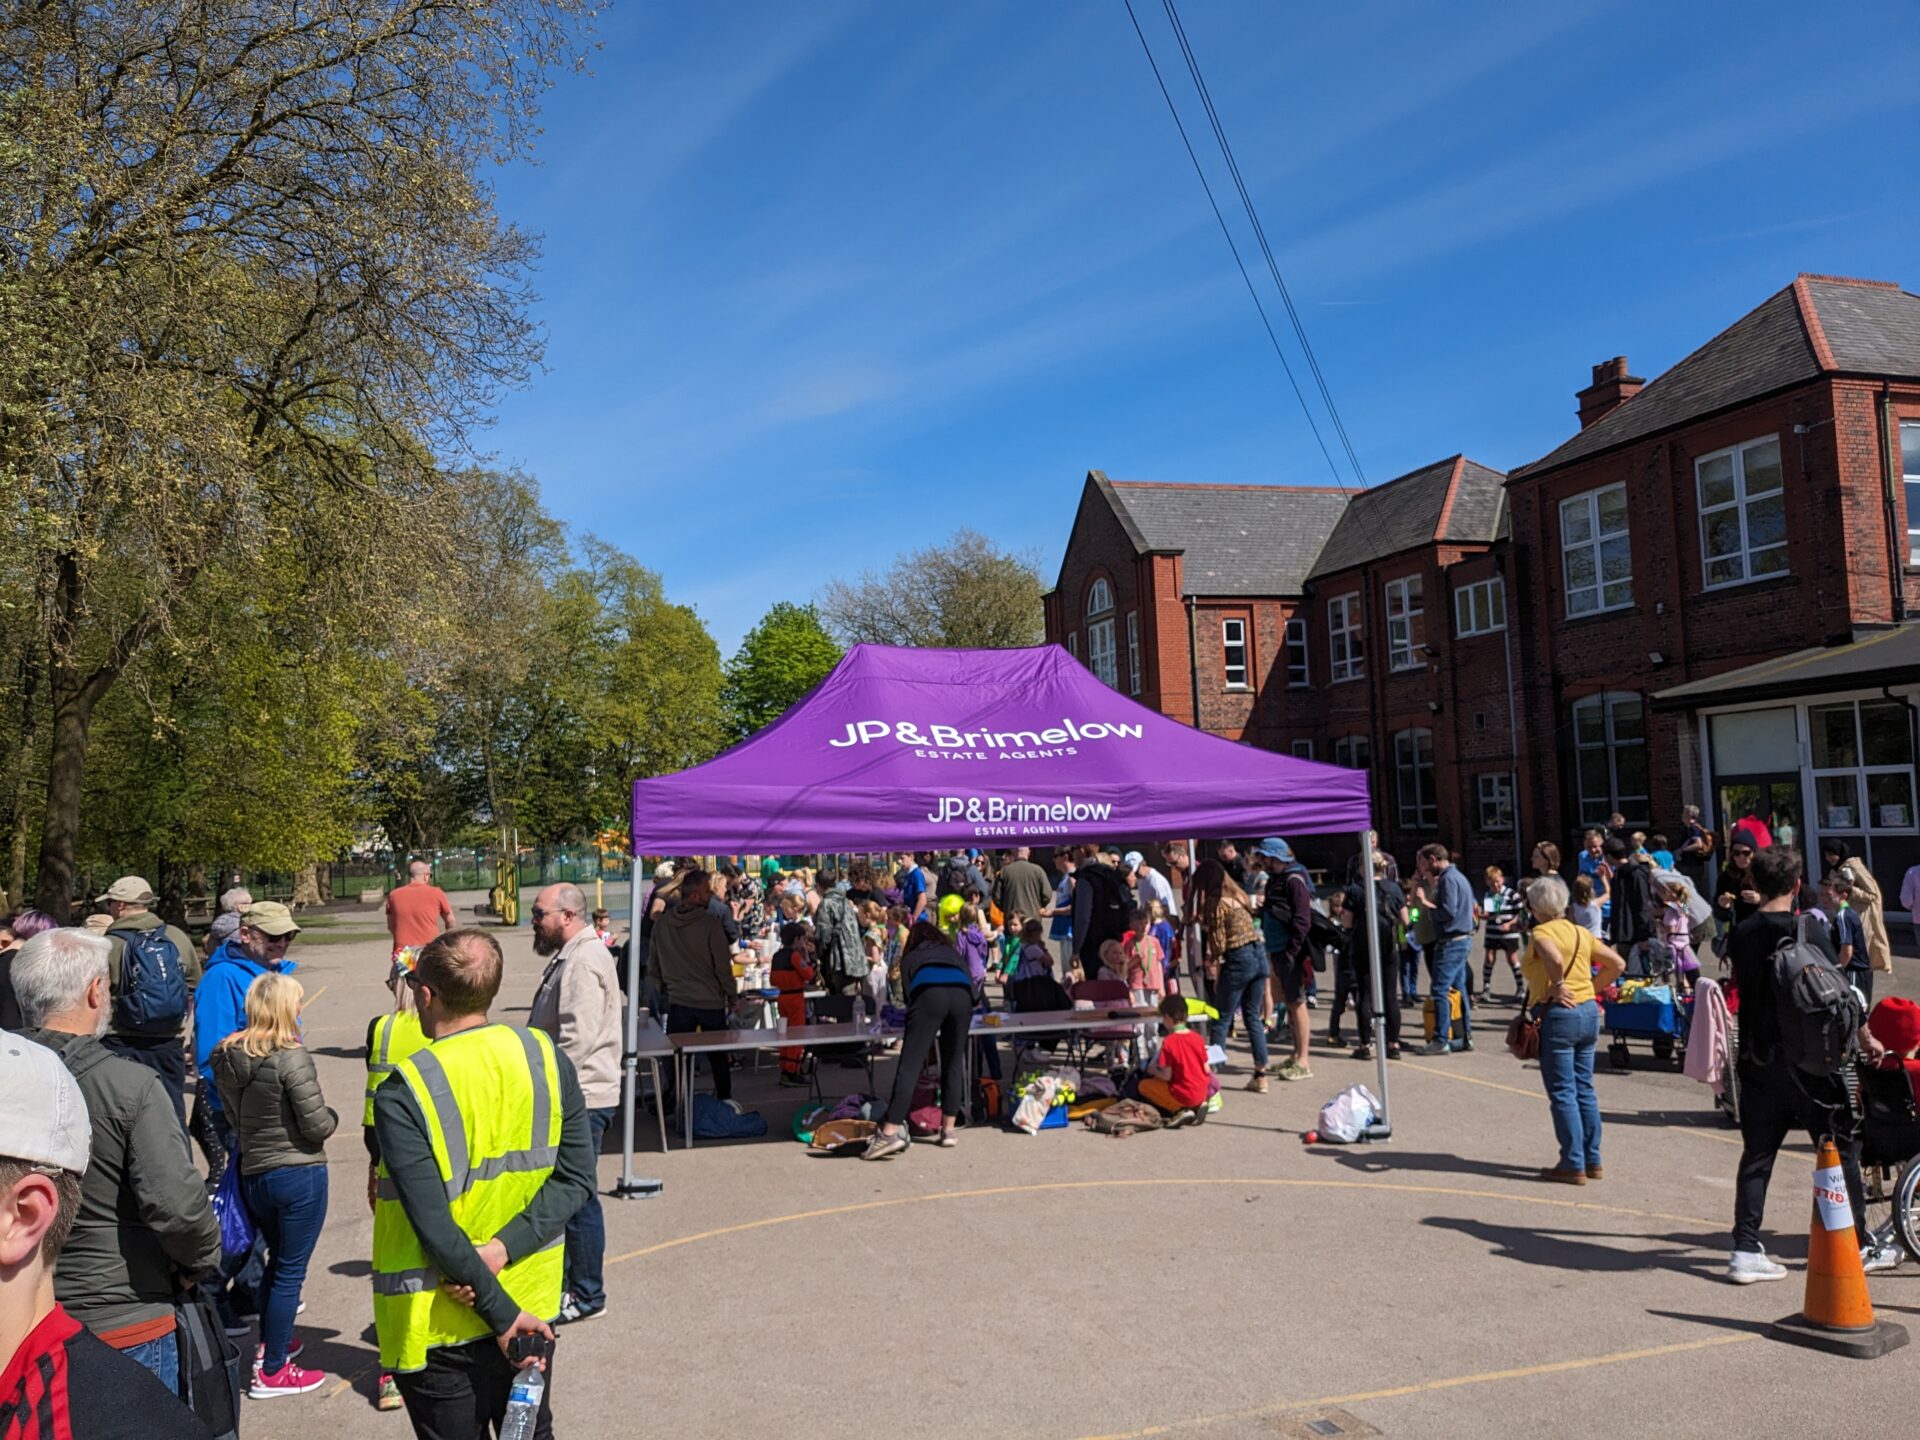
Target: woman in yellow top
(1559, 970)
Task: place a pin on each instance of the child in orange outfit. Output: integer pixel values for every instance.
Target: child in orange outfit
(793, 971)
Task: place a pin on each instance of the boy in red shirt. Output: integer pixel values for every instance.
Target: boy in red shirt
(1177, 1083)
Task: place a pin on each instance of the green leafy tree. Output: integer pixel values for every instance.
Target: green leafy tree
(964, 594)
(783, 657)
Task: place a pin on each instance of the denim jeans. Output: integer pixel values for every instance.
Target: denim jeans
(1450, 963)
(1241, 983)
(161, 1357)
(289, 1202)
(1409, 973)
(587, 1230)
(1567, 1037)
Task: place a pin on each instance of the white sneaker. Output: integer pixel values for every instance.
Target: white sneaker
(1745, 1267)
(1886, 1256)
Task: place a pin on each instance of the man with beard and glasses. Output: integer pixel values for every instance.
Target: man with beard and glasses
(578, 1004)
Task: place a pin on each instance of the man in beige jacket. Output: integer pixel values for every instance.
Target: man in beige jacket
(578, 1004)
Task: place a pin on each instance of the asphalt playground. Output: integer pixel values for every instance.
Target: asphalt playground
(1217, 1282)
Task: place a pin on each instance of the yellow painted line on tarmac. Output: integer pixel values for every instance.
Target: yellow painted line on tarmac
(1424, 1387)
(863, 1206)
(311, 999)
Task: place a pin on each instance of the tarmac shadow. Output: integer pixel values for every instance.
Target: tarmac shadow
(352, 1269)
(1565, 1249)
(1718, 1322)
(339, 1052)
(1379, 1160)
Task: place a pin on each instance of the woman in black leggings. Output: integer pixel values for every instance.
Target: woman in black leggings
(939, 1006)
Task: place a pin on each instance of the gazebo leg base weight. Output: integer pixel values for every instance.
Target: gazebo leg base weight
(1869, 1342)
(638, 1189)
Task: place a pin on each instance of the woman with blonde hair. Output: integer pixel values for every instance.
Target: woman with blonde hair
(271, 1093)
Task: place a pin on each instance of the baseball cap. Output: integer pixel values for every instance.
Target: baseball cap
(1134, 860)
(663, 872)
(1274, 848)
(269, 917)
(127, 887)
(42, 1114)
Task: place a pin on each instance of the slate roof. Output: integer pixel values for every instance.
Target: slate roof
(1456, 499)
(1235, 539)
(1820, 324)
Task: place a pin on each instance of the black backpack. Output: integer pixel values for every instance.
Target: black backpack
(1108, 920)
(1278, 908)
(953, 879)
(152, 999)
(1819, 1012)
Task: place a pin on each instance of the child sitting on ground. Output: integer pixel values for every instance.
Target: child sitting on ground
(1177, 1083)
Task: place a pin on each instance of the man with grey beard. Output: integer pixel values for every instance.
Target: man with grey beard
(144, 1226)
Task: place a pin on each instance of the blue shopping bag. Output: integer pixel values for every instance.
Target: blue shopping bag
(237, 1229)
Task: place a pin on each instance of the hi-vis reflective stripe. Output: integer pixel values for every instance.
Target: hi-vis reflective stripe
(463, 1175)
(405, 1282)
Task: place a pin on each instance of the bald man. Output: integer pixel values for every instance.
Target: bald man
(416, 912)
(578, 1004)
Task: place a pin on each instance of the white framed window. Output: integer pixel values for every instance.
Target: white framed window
(1297, 653)
(1496, 800)
(1413, 779)
(1596, 561)
(1406, 624)
(1480, 608)
(1346, 655)
(1100, 656)
(1303, 749)
(1610, 756)
(1099, 598)
(1353, 751)
(1743, 512)
(1910, 473)
(1233, 650)
(1862, 755)
(1133, 652)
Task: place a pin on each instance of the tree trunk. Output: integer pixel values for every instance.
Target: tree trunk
(306, 885)
(60, 831)
(23, 771)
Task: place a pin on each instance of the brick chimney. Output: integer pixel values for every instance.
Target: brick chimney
(1612, 387)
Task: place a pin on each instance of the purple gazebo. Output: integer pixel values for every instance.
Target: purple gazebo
(906, 749)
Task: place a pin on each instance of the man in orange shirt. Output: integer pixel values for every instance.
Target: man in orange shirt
(416, 913)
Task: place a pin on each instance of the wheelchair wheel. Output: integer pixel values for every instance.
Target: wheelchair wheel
(1906, 1223)
(1619, 1056)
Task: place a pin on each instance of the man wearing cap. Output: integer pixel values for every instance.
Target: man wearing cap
(144, 1225)
(58, 1380)
(257, 945)
(149, 1017)
(1286, 916)
(1149, 884)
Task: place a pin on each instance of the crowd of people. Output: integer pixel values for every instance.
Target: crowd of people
(482, 1137)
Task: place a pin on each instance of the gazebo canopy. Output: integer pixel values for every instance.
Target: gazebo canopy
(905, 749)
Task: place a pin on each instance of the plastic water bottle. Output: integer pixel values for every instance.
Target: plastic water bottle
(523, 1404)
(860, 1013)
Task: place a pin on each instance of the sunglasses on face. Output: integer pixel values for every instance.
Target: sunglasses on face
(539, 914)
(1742, 850)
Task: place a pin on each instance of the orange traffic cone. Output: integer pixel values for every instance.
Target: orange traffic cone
(1838, 1316)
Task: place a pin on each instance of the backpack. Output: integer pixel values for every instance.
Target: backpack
(1819, 1013)
(153, 988)
(1278, 908)
(1108, 920)
(953, 879)
(837, 931)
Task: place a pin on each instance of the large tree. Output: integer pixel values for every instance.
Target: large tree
(965, 593)
(251, 285)
(783, 657)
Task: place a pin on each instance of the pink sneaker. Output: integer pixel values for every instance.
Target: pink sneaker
(289, 1379)
(294, 1347)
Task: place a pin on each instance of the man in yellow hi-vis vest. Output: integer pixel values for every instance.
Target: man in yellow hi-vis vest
(391, 1038)
(484, 1154)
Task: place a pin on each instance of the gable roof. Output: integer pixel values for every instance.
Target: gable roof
(1234, 539)
(1820, 324)
(1457, 500)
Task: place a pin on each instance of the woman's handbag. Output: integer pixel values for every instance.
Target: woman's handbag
(237, 1230)
(1523, 1036)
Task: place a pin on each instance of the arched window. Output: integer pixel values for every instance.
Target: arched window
(1099, 599)
(1100, 648)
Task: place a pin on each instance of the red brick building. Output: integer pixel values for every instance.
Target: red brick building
(1708, 591)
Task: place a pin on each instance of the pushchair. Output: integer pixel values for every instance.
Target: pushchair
(1889, 1152)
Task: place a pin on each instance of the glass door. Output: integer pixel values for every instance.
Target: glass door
(1773, 800)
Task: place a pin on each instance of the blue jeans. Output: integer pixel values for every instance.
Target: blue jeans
(1241, 983)
(1409, 973)
(587, 1231)
(1450, 972)
(289, 1202)
(161, 1357)
(1567, 1038)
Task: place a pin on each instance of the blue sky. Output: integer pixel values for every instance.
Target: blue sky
(823, 281)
